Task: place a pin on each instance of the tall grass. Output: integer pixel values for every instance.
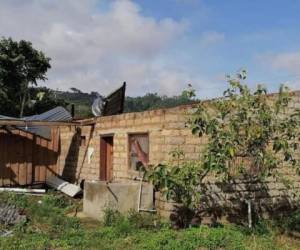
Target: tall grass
(49, 227)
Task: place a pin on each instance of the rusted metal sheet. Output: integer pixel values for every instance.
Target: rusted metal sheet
(27, 159)
(114, 103)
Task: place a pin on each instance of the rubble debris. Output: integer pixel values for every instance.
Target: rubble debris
(63, 186)
(10, 215)
(6, 233)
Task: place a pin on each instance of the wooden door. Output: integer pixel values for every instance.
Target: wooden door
(106, 158)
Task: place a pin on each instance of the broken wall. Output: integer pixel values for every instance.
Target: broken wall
(166, 129)
(80, 154)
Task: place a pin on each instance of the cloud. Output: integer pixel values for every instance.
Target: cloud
(284, 68)
(289, 62)
(211, 37)
(94, 48)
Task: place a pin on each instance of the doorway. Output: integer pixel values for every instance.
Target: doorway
(106, 158)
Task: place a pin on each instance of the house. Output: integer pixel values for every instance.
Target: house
(113, 148)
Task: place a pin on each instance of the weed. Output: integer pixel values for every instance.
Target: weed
(49, 228)
(111, 217)
(144, 220)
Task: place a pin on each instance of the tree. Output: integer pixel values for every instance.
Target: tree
(42, 99)
(250, 134)
(21, 66)
(155, 101)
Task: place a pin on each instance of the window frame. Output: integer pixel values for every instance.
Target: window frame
(129, 135)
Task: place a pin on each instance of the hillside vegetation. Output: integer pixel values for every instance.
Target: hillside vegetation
(83, 102)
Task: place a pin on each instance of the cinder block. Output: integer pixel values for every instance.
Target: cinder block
(174, 140)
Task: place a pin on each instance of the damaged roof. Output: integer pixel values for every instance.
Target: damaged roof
(53, 115)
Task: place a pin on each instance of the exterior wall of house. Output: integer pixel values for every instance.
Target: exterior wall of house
(167, 131)
(27, 159)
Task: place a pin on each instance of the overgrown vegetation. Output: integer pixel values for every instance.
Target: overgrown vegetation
(250, 136)
(49, 227)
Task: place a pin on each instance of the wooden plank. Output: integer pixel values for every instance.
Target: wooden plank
(6, 181)
(43, 162)
(54, 149)
(29, 158)
(36, 123)
(50, 156)
(13, 158)
(22, 164)
(2, 163)
(36, 159)
(88, 122)
(47, 155)
(26, 158)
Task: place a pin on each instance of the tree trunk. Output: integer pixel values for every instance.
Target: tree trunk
(22, 105)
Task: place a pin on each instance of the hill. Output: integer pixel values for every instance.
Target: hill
(149, 101)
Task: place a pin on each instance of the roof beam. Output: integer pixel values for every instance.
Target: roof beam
(87, 122)
(36, 123)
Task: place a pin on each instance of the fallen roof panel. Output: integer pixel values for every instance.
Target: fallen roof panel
(39, 124)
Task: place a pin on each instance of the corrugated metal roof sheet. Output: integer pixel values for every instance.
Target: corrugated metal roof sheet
(56, 114)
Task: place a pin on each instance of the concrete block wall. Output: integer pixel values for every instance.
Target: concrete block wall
(73, 160)
(167, 131)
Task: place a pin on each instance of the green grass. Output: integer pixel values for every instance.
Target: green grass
(48, 227)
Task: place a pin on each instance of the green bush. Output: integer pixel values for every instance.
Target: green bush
(290, 223)
(19, 200)
(144, 220)
(56, 200)
(111, 217)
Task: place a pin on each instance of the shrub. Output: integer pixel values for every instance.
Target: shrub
(19, 200)
(290, 223)
(249, 136)
(111, 217)
(56, 200)
(144, 220)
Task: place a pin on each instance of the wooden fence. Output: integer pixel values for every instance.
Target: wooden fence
(27, 159)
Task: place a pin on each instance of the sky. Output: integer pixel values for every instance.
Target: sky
(160, 46)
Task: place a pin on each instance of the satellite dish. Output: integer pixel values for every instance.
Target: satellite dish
(98, 105)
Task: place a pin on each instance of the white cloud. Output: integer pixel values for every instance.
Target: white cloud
(284, 67)
(285, 61)
(97, 49)
(211, 37)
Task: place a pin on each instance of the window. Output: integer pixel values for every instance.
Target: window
(138, 151)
